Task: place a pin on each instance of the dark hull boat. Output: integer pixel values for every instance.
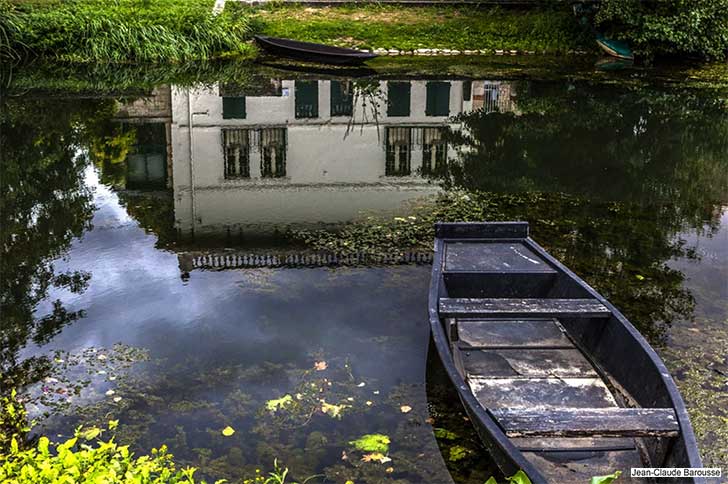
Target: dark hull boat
(554, 378)
(311, 52)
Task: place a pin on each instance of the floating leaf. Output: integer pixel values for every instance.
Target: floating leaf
(117, 399)
(405, 408)
(228, 431)
(333, 411)
(639, 278)
(605, 479)
(441, 433)
(376, 457)
(362, 384)
(113, 424)
(458, 452)
(372, 443)
(519, 477)
(320, 365)
(278, 403)
(109, 392)
(491, 480)
(389, 470)
(90, 433)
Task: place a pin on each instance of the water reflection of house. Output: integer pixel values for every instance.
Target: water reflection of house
(308, 152)
(149, 163)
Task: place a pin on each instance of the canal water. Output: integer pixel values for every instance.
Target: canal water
(163, 242)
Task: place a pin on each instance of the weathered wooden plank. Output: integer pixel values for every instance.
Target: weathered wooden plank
(512, 333)
(534, 363)
(481, 230)
(554, 393)
(575, 444)
(508, 307)
(493, 257)
(570, 467)
(585, 422)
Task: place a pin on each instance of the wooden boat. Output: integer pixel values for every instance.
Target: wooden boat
(554, 378)
(311, 52)
(615, 48)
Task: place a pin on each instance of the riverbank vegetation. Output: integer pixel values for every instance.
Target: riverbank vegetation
(122, 31)
(143, 31)
(697, 28)
(408, 28)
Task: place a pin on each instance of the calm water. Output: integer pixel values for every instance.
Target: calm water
(117, 205)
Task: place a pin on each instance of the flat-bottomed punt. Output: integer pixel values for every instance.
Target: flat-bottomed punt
(554, 378)
(312, 52)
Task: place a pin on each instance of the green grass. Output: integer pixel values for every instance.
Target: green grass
(127, 31)
(408, 28)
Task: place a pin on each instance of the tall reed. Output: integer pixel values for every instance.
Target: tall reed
(131, 31)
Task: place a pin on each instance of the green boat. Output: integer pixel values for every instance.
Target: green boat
(615, 48)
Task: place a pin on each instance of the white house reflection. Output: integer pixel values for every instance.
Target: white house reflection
(291, 153)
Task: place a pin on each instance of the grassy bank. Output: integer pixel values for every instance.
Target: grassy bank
(123, 30)
(143, 31)
(407, 28)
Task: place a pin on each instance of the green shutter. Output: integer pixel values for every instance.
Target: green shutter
(398, 98)
(233, 107)
(307, 99)
(438, 99)
(342, 98)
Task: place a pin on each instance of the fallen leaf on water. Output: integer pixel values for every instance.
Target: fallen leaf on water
(333, 411)
(228, 431)
(369, 403)
(405, 408)
(376, 392)
(320, 365)
(376, 457)
(361, 384)
(389, 470)
(109, 392)
(117, 399)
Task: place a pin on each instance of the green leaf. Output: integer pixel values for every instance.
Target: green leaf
(278, 403)
(605, 479)
(91, 433)
(228, 431)
(491, 480)
(519, 477)
(113, 424)
(441, 433)
(372, 443)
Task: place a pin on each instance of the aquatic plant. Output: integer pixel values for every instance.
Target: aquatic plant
(372, 443)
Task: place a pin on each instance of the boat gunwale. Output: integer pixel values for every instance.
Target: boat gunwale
(333, 51)
(483, 416)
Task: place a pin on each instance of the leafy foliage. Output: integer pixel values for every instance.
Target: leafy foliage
(372, 443)
(695, 27)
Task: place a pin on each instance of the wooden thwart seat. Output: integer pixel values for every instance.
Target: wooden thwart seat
(586, 422)
(526, 307)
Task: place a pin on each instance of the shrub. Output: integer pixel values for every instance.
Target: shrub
(693, 27)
